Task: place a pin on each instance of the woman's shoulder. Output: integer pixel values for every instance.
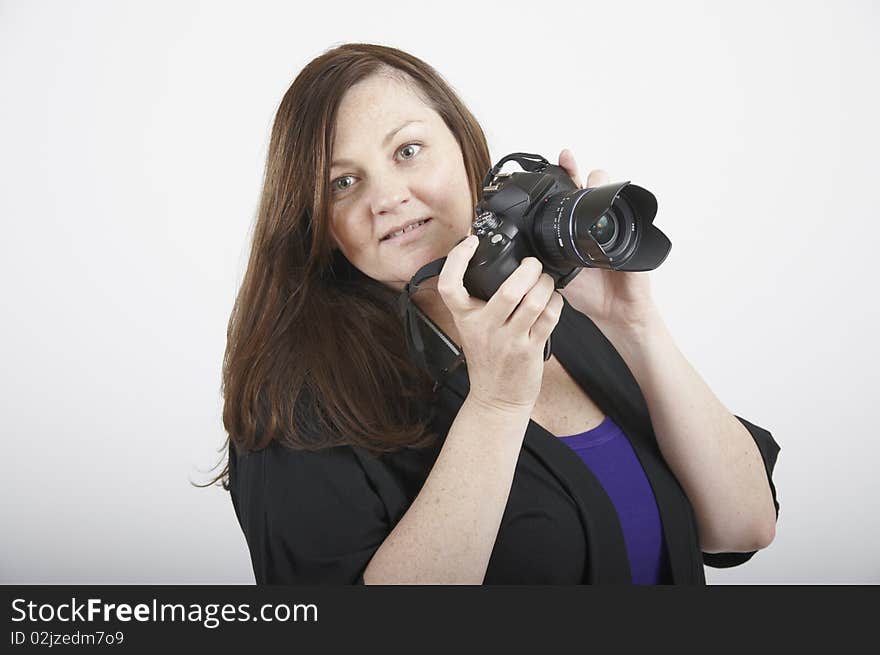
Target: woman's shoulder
(287, 464)
(289, 458)
(283, 476)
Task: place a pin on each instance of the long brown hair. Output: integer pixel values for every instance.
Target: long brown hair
(316, 354)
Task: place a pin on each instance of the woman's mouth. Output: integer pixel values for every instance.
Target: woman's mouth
(411, 233)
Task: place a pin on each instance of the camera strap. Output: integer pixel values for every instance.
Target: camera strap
(433, 350)
(527, 161)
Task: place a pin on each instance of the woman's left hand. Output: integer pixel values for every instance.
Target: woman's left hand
(613, 299)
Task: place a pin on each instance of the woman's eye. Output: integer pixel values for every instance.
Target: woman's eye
(338, 183)
(410, 147)
(345, 182)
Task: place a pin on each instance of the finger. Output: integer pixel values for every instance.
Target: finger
(567, 162)
(597, 177)
(547, 321)
(450, 282)
(504, 301)
(532, 305)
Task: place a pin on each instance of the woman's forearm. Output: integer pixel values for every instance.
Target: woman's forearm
(710, 452)
(448, 533)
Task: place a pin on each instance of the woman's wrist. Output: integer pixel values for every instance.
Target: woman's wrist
(500, 406)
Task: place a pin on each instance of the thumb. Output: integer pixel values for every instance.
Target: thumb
(569, 165)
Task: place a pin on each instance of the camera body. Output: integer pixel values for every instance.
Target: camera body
(541, 213)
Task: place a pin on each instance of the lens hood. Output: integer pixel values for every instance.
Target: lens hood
(650, 246)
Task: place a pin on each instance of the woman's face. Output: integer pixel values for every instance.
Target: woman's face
(394, 162)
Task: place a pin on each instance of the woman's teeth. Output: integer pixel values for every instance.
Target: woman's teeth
(406, 229)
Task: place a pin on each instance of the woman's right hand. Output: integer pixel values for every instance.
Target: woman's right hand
(503, 339)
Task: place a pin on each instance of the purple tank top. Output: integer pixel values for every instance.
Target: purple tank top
(609, 454)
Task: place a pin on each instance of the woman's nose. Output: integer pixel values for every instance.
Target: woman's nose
(388, 193)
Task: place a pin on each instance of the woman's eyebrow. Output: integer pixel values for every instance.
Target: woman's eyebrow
(388, 137)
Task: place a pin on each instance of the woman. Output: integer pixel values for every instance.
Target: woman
(609, 462)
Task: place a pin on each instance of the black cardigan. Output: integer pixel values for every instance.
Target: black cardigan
(318, 517)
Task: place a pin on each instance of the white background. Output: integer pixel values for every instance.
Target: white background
(132, 143)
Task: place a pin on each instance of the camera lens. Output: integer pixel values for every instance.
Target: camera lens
(605, 229)
(602, 227)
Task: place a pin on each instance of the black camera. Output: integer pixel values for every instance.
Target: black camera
(541, 213)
